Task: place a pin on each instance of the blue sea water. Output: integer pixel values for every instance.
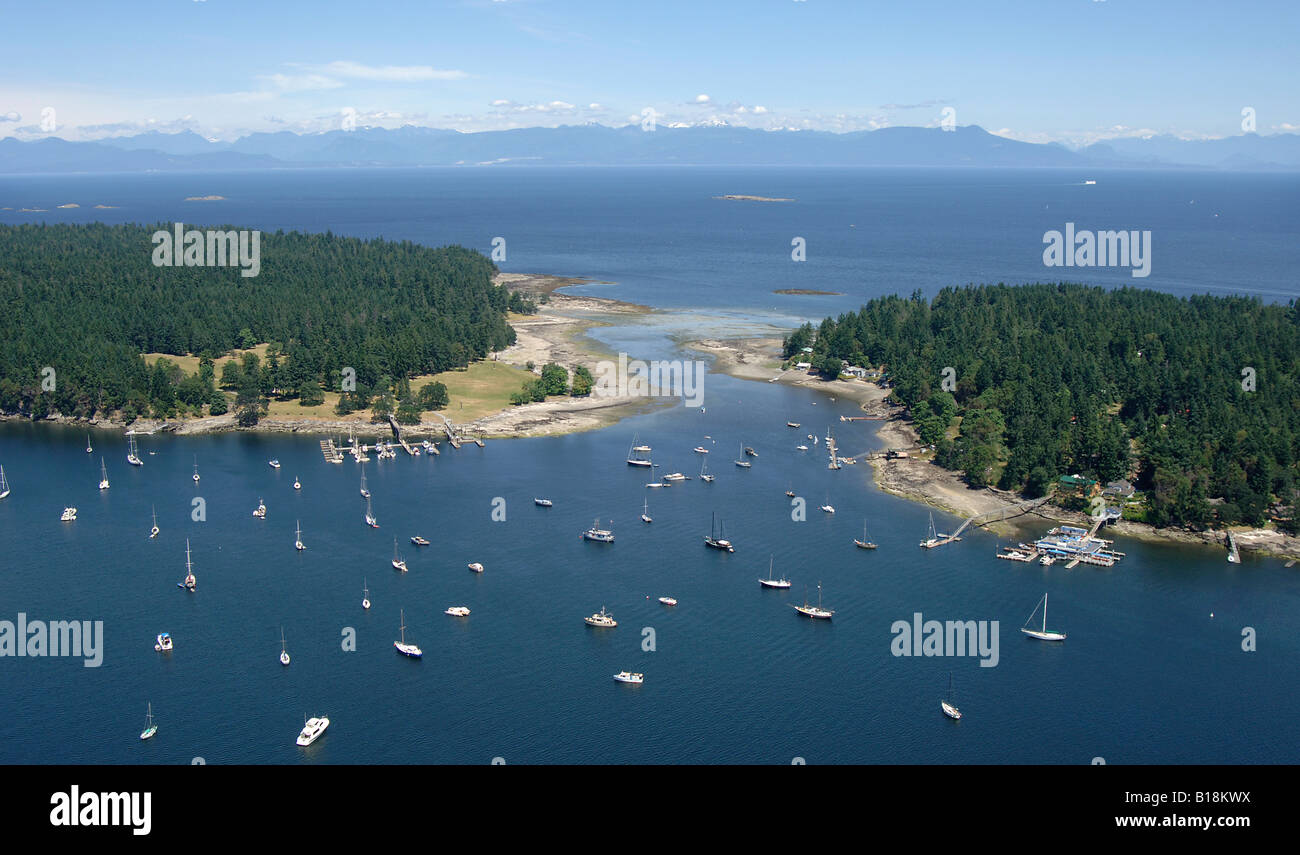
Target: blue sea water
(1153, 669)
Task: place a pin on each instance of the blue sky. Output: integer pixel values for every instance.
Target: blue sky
(1073, 71)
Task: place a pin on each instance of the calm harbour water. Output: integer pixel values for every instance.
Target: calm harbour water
(1147, 675)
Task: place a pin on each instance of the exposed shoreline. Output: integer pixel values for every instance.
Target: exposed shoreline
(921, 480)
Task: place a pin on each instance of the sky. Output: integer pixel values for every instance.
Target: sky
(1069, 71)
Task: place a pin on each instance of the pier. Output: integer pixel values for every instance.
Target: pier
(332, 454)
(997, 515)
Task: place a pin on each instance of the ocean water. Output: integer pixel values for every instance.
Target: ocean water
(1153, 670)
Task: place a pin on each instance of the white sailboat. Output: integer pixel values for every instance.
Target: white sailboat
(365, 493)
(948, 703)
(645, 512)
(365, 594)
(298, 544)
(190, 582)
(260, 510)
(153, 532)
(297, 485)
(4, 483)
(284, 651)
(89, 449)
(742, 462)
(132, 453)
(932, 537)
(103, 475)
(399, 563)
(770, 582)
(704, 472)
(1043, 634)
(150, 728)
(403, 647)
(634, 453)
(370, 517)
(196, 469)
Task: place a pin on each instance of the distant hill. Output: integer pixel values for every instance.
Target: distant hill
(598, 145)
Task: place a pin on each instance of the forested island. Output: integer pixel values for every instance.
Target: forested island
(84, 303)
(1196, 400)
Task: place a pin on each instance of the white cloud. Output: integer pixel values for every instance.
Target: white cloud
(391, 73)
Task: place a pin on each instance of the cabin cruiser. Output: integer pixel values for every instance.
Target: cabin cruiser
(69, 514)
(312, 729)
(457, 611)
(476, 567)
(629, 677)
(601, 618)
(163, 643)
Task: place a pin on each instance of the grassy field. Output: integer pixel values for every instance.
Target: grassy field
(190, 364)
(481, 389)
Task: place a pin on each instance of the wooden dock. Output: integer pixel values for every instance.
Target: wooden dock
(332, 454)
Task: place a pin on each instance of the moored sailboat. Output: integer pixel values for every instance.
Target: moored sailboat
(1043, 634)
(191, 581)
(298, 544)
(132, 453)
(4, 483)
(405, 648)
(153, 532)
(399, 563)
(814, 611)
(771, 582)
(717, 541)
(864, 543)
(949, 703)
(150, 728)
(103, 475)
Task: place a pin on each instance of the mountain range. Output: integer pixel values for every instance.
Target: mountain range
(599, 145)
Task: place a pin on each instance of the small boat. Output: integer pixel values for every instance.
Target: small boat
(312, 728)
(814, 611)
(948, 705)
(457, 611)
(297, 544)
(274, 464)
(476, 567)
(699, 449)
(365, 493)
(419, 541)
(163, 643)
(645, 512)
(657, 484)
(543, 503)
(863, 543)
(749, 452)
(1043, 634)
(103, 475)
(69, 515)
(769, 582)
(789, 492)
(704, 475)
(403, 647)
(284, 651)
(191, 583)
(260, 510)
(88, 448)
(150, 728)
(1090, 181)
(132, 453)
(629, 677)
(399, 563)
(196, 469)
(370, 517)
(828, 508)
(792, 424)
(365, 595)
(153, 532)
(1047, 559)
(718, 542)
(4, 483)
(598, 534)
(297, 485)
(675, 476)
(742, 462)
(668, 601)
(801, 448)
(601, 618)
